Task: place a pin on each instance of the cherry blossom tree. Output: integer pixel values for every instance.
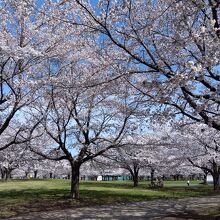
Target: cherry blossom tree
(31, 45)
(94, 168)
(170, 48)
(27, 39)
(137, 155)
(132, 159)
(199, 144)
(12, 159)
(207, 156)
(81, 122)
(151, 153)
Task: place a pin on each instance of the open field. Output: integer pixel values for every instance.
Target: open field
(24, 196)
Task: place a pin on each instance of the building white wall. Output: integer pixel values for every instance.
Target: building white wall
(209, 179)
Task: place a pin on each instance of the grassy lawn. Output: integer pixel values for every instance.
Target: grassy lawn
(22, 196)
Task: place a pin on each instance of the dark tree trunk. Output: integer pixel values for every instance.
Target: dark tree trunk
(205, 179)
(7, 174)
(134, 171)
(215, 180)
(10, 173)
(135, 179)
(152, 176)
(51, 175)
(35, 174)
(26, 175)
(74, 193)
(215, 175)
(3, 173)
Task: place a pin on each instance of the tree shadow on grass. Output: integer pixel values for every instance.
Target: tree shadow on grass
(23, 202)
(15, 202)
(20, 202)
(157, 209)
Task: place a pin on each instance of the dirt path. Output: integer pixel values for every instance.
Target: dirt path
(188, 208)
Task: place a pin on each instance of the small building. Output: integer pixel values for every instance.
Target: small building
(111, 177)
(209, 179)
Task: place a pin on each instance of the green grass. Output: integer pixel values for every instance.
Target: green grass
(23, 196)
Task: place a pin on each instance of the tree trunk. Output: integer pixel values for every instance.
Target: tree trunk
(135, 179)
(7, 174)
(3, 173)
(10, 173)
(35, 174)
(205, 179)
(152, 176)
(74, 193)
(215, 175)
(215, 180)
(26, 175)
